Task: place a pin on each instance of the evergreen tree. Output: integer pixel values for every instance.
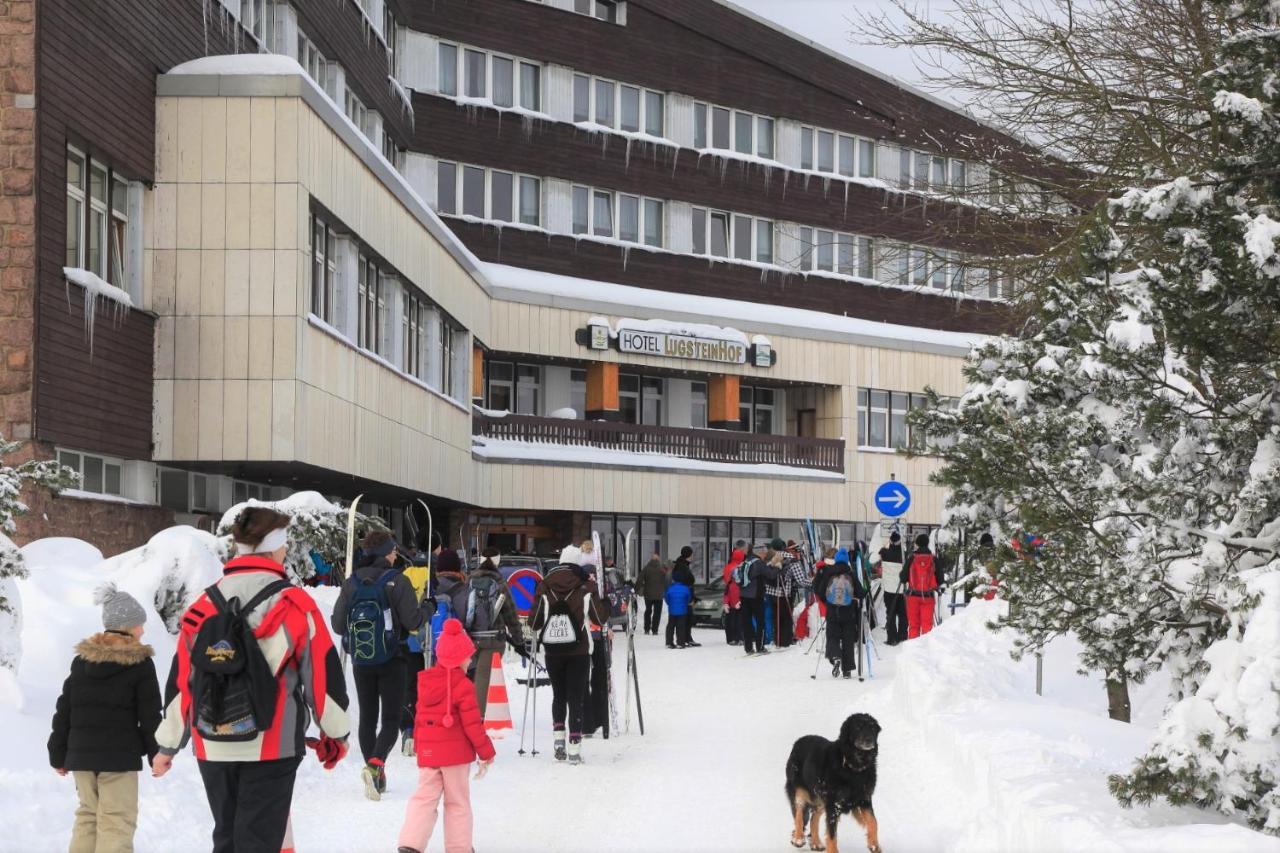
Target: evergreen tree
(1134, 423)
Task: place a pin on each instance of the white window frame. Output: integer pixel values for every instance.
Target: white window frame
(594, 82)
(75, 459)
(735, 223)
(261, 19)
(858, 162)
(644, 211)
(518, 64)
(609, 11)
(313, 61)
(520, 185)
(812, 250)
(704, 131)
(107, 215)
(324, 295)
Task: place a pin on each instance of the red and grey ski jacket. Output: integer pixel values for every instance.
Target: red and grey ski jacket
(292, 635)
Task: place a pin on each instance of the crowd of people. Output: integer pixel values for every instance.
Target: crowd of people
(256, 661)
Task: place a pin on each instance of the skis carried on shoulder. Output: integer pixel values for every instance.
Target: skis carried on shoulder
(426, 641)
(352, 514)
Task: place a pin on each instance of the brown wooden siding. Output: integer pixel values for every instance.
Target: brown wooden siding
(95, 84)
(702, 277)
(559, 150)
(709, 51)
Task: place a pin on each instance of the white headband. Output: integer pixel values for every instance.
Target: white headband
(273, 541)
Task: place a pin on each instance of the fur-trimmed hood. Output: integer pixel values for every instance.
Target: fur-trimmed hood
(107, 647)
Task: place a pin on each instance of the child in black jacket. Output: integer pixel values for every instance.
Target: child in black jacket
(105, 722)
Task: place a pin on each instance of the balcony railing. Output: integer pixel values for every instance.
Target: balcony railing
(707, 445)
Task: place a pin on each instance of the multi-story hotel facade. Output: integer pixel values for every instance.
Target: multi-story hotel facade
(551, 267)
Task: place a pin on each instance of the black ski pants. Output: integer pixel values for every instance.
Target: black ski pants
(250, 803)
(752, 624)
(895, 617)
(568, 674)
(732, 626)
(414, 664)
(380, 693)
(842, 639)
(652, 615)
(678, 629)
(783, 632)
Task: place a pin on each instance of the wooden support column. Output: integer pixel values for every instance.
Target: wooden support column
(722, 403)
(602, 391)
(477, 375)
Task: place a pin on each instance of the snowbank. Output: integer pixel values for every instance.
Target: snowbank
(318, 525)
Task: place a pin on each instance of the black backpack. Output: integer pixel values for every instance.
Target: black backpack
(234, 688)
(483, 603)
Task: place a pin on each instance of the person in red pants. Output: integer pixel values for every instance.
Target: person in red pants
(920, 576)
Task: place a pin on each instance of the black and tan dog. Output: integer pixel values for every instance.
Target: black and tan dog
(832, 779)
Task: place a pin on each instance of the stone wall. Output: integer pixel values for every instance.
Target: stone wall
(111, 526)
(17, 214)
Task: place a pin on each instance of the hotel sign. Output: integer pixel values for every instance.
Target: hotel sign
(681, 346)
(668, 344)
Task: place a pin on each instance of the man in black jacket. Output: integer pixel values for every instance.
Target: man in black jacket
(105, 722)
(380, 688)
(895, 605)
(756, 573)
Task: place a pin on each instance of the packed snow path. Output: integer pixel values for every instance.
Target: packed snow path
(970, 760)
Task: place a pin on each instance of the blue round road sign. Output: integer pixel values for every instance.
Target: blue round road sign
(522, 584)
(892, 499)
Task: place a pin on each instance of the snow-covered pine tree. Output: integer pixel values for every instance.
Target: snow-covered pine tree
(40, 474)
(1135, 424)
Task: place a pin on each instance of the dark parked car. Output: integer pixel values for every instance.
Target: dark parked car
(509, 563)
(708, 605)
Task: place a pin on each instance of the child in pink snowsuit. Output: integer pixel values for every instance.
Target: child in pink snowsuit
(448, 734)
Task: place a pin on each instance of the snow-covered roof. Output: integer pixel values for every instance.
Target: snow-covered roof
(265, 64)
(561, 291)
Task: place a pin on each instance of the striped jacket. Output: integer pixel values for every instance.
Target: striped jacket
(292, 635)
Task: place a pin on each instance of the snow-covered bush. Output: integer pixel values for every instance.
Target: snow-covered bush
(40, 474)
(170, 571)
(1134, 423)
(318, 525)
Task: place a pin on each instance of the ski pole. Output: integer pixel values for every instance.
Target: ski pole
(533, 738)
(530, 677)
(817, 662)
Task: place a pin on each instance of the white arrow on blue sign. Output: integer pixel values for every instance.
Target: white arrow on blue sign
(892, 499)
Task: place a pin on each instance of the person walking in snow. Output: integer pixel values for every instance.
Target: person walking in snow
(895, 605)
(752, 574)
(491, 621)
(248, 764)
(380, 664)
(652, 587)
(841, 591)
(922, 576)
(105, 722)
(448, 735)
(679, 600)
(733, 596)
(564, 604)
(681, 570)
(791, 579)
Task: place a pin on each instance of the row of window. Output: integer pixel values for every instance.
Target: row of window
(504, 80)
(604, 213)
(732, 130)
(833, 251)
(882, 418)
(393, 319)
(491, 194)
(178, 490)
(618, 105)
(723, 234)
(838, 153)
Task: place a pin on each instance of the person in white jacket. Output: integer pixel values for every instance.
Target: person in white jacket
(895, 603)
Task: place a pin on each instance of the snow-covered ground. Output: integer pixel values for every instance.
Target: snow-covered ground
(970, 758)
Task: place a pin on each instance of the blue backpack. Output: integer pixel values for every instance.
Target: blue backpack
(444, 612)
(840, 591)
(370, 638)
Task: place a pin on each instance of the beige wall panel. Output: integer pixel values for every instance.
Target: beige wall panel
(163, 347)
(262, 130)
(237, 213)
(261, 348)
(164, 283)
(262, 215)
(162, 421)
(235, 420)
(262, 282)
(283, 437)
(187, 233)
(285, 347)
(211, 349)
(236, 287)
(286, 217)
(186, 419)
(286, 138)
(235, 349)
(239, 141)
(213, 140)
(186, 349)
(259, 420)
(285, 297)
(190, 130)
(213, 279)
(210, 419)
(166, 139)
(165, 204)
(213, 216)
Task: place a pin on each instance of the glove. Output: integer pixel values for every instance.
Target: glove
(329, 751)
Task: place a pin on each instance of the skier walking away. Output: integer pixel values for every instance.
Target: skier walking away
(448, 600)
(921, 576)
(652, 586)
(105, 722)
(986, 568)
(681, 570)
(248, 765)
(563, 603)
(792, 578)
(491, 621)
(895, 605)
(417, 568)
(837, 585)
(378, 653)
(752, 574)
(679, 600)
(733, 596)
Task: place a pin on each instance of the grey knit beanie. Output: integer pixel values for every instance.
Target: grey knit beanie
(120, 610)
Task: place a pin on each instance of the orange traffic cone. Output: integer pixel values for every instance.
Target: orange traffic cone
(287, 845)
(497, 714)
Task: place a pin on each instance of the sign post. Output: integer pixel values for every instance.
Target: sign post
(522, 584)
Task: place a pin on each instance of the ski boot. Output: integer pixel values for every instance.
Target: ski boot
(575, 752)
(558, 743)
(835, 669)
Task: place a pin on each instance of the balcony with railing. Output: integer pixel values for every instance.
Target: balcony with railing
(561, 439)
